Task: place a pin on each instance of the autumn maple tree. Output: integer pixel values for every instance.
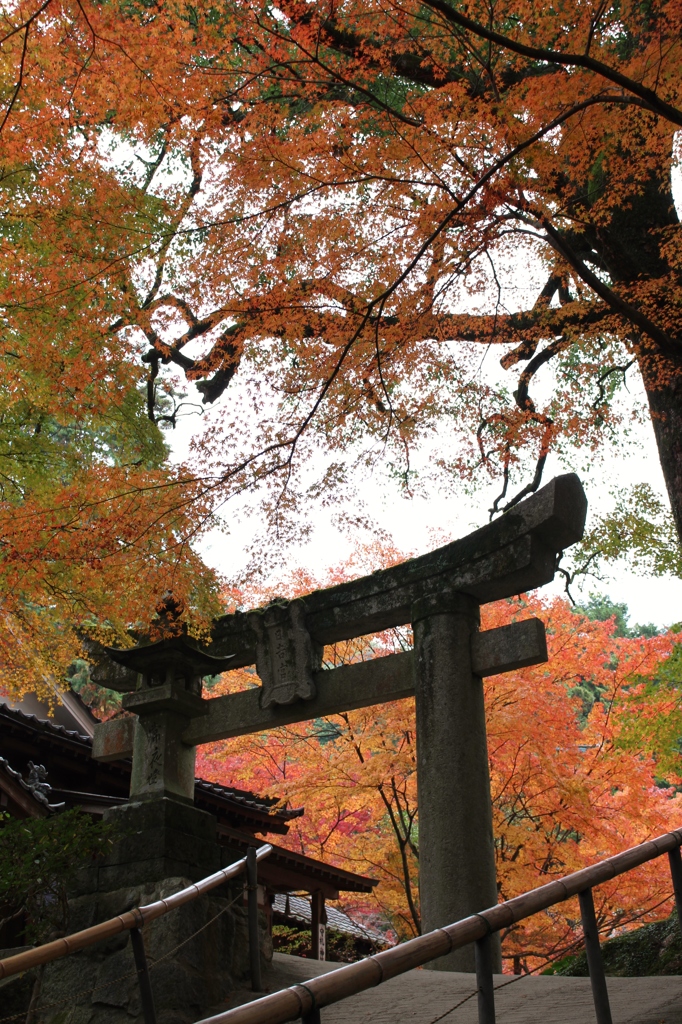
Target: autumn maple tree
(94, 524)
(298, 215)
(581, 766)
(296, 207)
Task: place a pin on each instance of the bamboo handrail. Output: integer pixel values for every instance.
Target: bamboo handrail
(130, 919)
(301, 1000)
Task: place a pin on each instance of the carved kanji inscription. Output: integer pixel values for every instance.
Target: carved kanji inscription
(286, 656)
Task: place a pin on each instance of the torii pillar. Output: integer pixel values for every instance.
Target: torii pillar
(456, 849)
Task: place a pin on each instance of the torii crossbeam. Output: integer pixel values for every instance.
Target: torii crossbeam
(439, 594)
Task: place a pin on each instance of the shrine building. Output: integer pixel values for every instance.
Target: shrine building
(34, 737)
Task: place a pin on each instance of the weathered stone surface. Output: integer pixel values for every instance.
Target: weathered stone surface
(162, 764)
(508, 647)
(339, 689)
(161, 839)
(364, 684)
(421, 997)
(106, 672)
(203, 970)
(168, 695)
(456, 850)
(114, 739)
(286, 657)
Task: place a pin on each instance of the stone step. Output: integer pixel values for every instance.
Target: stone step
(424, 997)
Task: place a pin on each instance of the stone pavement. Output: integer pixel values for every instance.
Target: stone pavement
(424, 997)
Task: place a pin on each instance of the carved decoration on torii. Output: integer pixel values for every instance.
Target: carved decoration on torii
(286, 656)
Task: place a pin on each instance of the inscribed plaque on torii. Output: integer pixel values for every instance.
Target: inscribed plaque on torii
(286, 656)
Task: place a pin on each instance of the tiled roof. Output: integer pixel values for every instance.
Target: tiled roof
(339, 878)
(44, 724)
(264, 804)
(211, 791)
(299, 908)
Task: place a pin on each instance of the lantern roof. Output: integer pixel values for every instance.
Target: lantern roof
(179, 652)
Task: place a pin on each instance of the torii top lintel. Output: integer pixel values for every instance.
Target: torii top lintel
(516, 552)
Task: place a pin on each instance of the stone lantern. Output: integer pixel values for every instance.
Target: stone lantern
(168, 696)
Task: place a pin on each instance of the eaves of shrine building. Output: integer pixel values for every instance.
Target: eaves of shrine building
(60, 742)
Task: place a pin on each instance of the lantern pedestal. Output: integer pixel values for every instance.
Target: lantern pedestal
(160, 838)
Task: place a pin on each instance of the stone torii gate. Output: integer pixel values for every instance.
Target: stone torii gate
(439, 594)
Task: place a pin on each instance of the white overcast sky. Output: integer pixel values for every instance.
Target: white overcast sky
(419, 524)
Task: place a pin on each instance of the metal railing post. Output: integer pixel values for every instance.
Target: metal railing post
(595, 963)
(675, 860)
(484, 980)
(254, 939)
(146, 994)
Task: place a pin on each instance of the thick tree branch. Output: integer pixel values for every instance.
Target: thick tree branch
(20, 77)
(521, 395)
(620, 305)
(182, 212)
(25, 24)
(581, 60)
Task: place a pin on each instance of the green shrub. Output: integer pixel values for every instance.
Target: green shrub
(39, 858)
(652, 949)
(340, 948)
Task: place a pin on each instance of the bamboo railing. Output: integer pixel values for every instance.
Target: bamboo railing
(130, 920)
(306, 1000)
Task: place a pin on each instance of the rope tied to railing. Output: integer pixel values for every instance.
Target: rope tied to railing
(130, 919)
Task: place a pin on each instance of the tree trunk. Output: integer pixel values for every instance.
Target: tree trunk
(663, 383)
